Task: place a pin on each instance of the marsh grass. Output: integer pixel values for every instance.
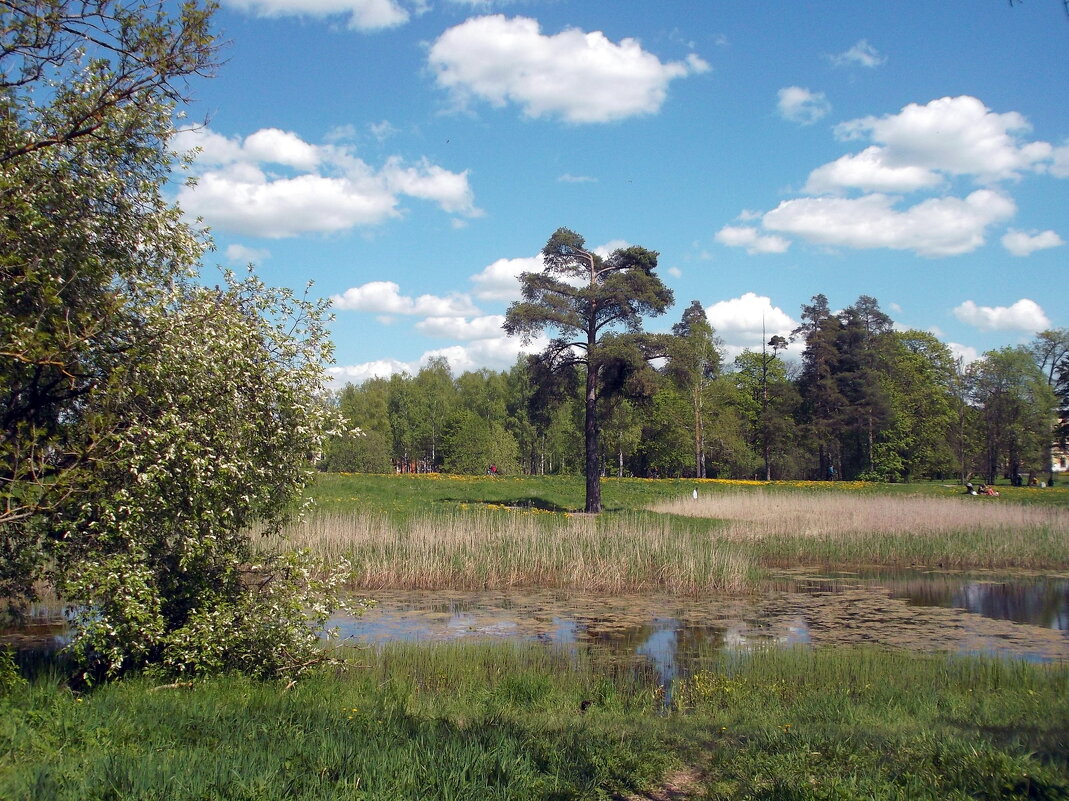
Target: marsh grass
(501, 548)
(778, 527)
(717, 543)
(496, 721)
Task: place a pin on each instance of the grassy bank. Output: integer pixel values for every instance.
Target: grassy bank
(428, 532)
(493, 721)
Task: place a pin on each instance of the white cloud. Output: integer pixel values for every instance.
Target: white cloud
(427, 181)
(380, 368)
(384, 297)
(568, 178)
(272, 146)
(461, 327)
(861, 54)
(944, 226)
(249, 202)
(580, 77)
(1021, 243)
(1060, 162)
(325, 189)
(869, 171)
(340, 133)
(802, 106)
(214, 148)
(745, 236)
(1024, 315)
(610, 247)
(675, 272)
(501, 280)
(382, 130)
(496, 353)
(245, 255)
(954, 135)
(740, 321)
(364, 15)
(966, 353)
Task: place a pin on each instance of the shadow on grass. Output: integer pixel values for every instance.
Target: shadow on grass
(518, 503)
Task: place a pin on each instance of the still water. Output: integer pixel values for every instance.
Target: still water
(1020, 616)
(1023, 616)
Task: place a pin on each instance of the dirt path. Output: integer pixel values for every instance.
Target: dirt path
(677, 786)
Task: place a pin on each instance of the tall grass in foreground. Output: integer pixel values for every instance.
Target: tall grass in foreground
(838, 528)
(505, 722)
(500, 548)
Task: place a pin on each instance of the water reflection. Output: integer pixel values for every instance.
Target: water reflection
(1038, 600)
(1023, 616)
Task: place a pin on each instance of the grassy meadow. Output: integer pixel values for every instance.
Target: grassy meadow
(463, 721)
(469, 721)
(468, 532)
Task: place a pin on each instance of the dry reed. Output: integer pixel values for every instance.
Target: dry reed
(500, 549)
(889, 530)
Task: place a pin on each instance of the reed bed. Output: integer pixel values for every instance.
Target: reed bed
(783, 527)
(502, 548)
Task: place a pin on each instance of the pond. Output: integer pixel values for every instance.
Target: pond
(1020, 616)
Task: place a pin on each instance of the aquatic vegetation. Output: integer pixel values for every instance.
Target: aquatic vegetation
(503, 547)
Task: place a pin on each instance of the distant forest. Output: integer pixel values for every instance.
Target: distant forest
(866, 402)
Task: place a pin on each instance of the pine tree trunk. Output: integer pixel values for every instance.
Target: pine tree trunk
(590, 430)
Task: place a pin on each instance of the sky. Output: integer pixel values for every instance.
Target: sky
(410, 158)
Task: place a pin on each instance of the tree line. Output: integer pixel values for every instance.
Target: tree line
(865, 401)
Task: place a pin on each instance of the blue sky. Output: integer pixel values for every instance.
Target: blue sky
(411, 157)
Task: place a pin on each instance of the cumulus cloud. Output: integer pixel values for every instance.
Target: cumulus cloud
(861, 54)
(870, 172)
(364, 15)
(954, 135)
(745, 236)
(966, 353)
(496, 353)
(1060, 162)
(1024, 315)
(380, 368)
(801, 105)
(323, 188)
(858, 200)
(944, 226)
(579, 77)
(461, 327)
(272, 146)
(1021, 243)
(384, 297)
(740, 321)
(241, 254)
(501, 280)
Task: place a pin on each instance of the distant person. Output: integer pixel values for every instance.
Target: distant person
(970, 489)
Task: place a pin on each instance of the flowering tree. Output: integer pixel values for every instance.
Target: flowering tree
(152, 427)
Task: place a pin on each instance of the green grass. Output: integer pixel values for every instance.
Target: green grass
(497, 721)
(406, 495)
